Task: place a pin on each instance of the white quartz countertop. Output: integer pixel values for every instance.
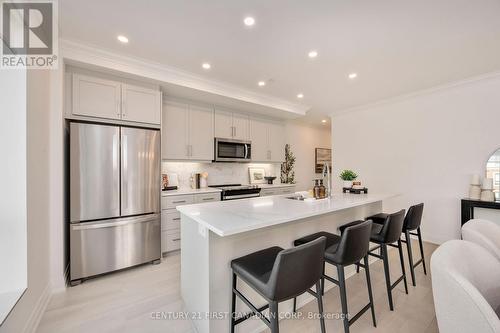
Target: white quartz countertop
(183, 191)
(226, 218)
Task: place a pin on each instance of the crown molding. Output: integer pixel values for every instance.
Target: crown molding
(423, 92)
(93, 55)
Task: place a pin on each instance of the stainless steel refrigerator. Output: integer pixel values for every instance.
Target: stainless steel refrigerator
(115, 217)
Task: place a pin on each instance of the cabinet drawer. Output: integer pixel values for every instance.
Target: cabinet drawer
(170, 219)
(170, 240)
(287, 190)
(170, 202)
(268, 192)
(201, 198)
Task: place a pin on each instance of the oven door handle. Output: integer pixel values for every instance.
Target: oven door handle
(241, 196)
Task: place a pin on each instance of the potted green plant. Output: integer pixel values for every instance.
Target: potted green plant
(348, 176)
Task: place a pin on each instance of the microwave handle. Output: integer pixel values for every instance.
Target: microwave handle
(246, 150)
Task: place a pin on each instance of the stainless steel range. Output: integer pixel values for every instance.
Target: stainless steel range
(238, 191)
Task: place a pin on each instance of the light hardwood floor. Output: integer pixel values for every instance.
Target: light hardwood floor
(125, 301)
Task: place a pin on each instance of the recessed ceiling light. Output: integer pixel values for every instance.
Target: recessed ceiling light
(249, 21)
(313, 54)
(122, 39)
(261, 83)
(206, 65)
(300, 95)
(353, 75)
(324, 121)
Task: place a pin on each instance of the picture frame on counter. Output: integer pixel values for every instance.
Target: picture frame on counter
(257, 175)
(322, 155)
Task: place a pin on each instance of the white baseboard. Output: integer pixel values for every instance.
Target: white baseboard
(38, 311)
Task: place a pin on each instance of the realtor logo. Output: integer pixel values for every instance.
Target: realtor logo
(29, 34)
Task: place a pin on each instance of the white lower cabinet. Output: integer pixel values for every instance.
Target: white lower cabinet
(265, 192)
(171, 218)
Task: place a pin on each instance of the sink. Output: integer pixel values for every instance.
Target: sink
(296, 197)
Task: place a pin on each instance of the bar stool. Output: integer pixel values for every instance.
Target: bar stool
(279, 275)
(386, 234)
(412, 222)
(347, 249)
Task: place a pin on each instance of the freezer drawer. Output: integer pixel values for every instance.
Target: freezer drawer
(109, 245)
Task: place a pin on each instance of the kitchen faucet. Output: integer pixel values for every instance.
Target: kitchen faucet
(326, 173)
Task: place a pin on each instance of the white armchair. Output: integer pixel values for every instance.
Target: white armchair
(466, 288)
(484, 233)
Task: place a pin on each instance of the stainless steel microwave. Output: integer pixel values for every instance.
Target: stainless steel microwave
(230, 150)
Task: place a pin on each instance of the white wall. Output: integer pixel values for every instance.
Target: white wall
(303, 139)
(13, 192)
(424, 146)
(27, 312)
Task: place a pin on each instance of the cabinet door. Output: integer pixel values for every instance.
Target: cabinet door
(201, 133)
(141, 104)
(259, 138)
(174, 141)
(276, 142)
(223, 124)
(241, 127)
(95, 97)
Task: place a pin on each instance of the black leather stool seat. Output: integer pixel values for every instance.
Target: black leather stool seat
(378, 218)
(256, 268)
(377, 236)
(332, 240)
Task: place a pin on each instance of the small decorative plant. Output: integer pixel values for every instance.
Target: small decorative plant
(287, 172)
(348, 176)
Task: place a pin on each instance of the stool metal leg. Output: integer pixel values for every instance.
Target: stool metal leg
(233, 304)
(421, 248)
(323, 280)
(410, 256)
(400, 249)
(320, 306)
(343, 297)
(385, 259)
(369, 284)
(274, 317)
(294, 304)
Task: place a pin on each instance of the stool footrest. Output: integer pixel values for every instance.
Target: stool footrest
(253, 309)
(397, 281)
(417, 263)
(360, 313)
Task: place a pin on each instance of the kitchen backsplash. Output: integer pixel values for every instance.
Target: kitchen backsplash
(218, 173)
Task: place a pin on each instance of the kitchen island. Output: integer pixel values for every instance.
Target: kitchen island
(213, 234)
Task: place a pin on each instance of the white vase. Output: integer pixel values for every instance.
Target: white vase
(475, 192)
(347, 183)
(487, 195)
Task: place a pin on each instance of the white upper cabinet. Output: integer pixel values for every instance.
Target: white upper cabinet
(231, 125)
(276, 142)
(268, 140)
(95, 97)
(223, 124)
(187, 132)
(174, 134)
(258, 136)
(201, 133)
(101, 98)
(141, 104)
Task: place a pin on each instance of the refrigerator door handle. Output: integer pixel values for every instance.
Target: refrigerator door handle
(120, 222)
(124, 176)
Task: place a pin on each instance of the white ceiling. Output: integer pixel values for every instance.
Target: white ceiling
(395, 46)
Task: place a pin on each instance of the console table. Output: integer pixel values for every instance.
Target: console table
(468, 206)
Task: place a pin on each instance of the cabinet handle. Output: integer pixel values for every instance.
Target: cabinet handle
(176, 219)
(182, 201)
(207, 199)
(176, 239)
